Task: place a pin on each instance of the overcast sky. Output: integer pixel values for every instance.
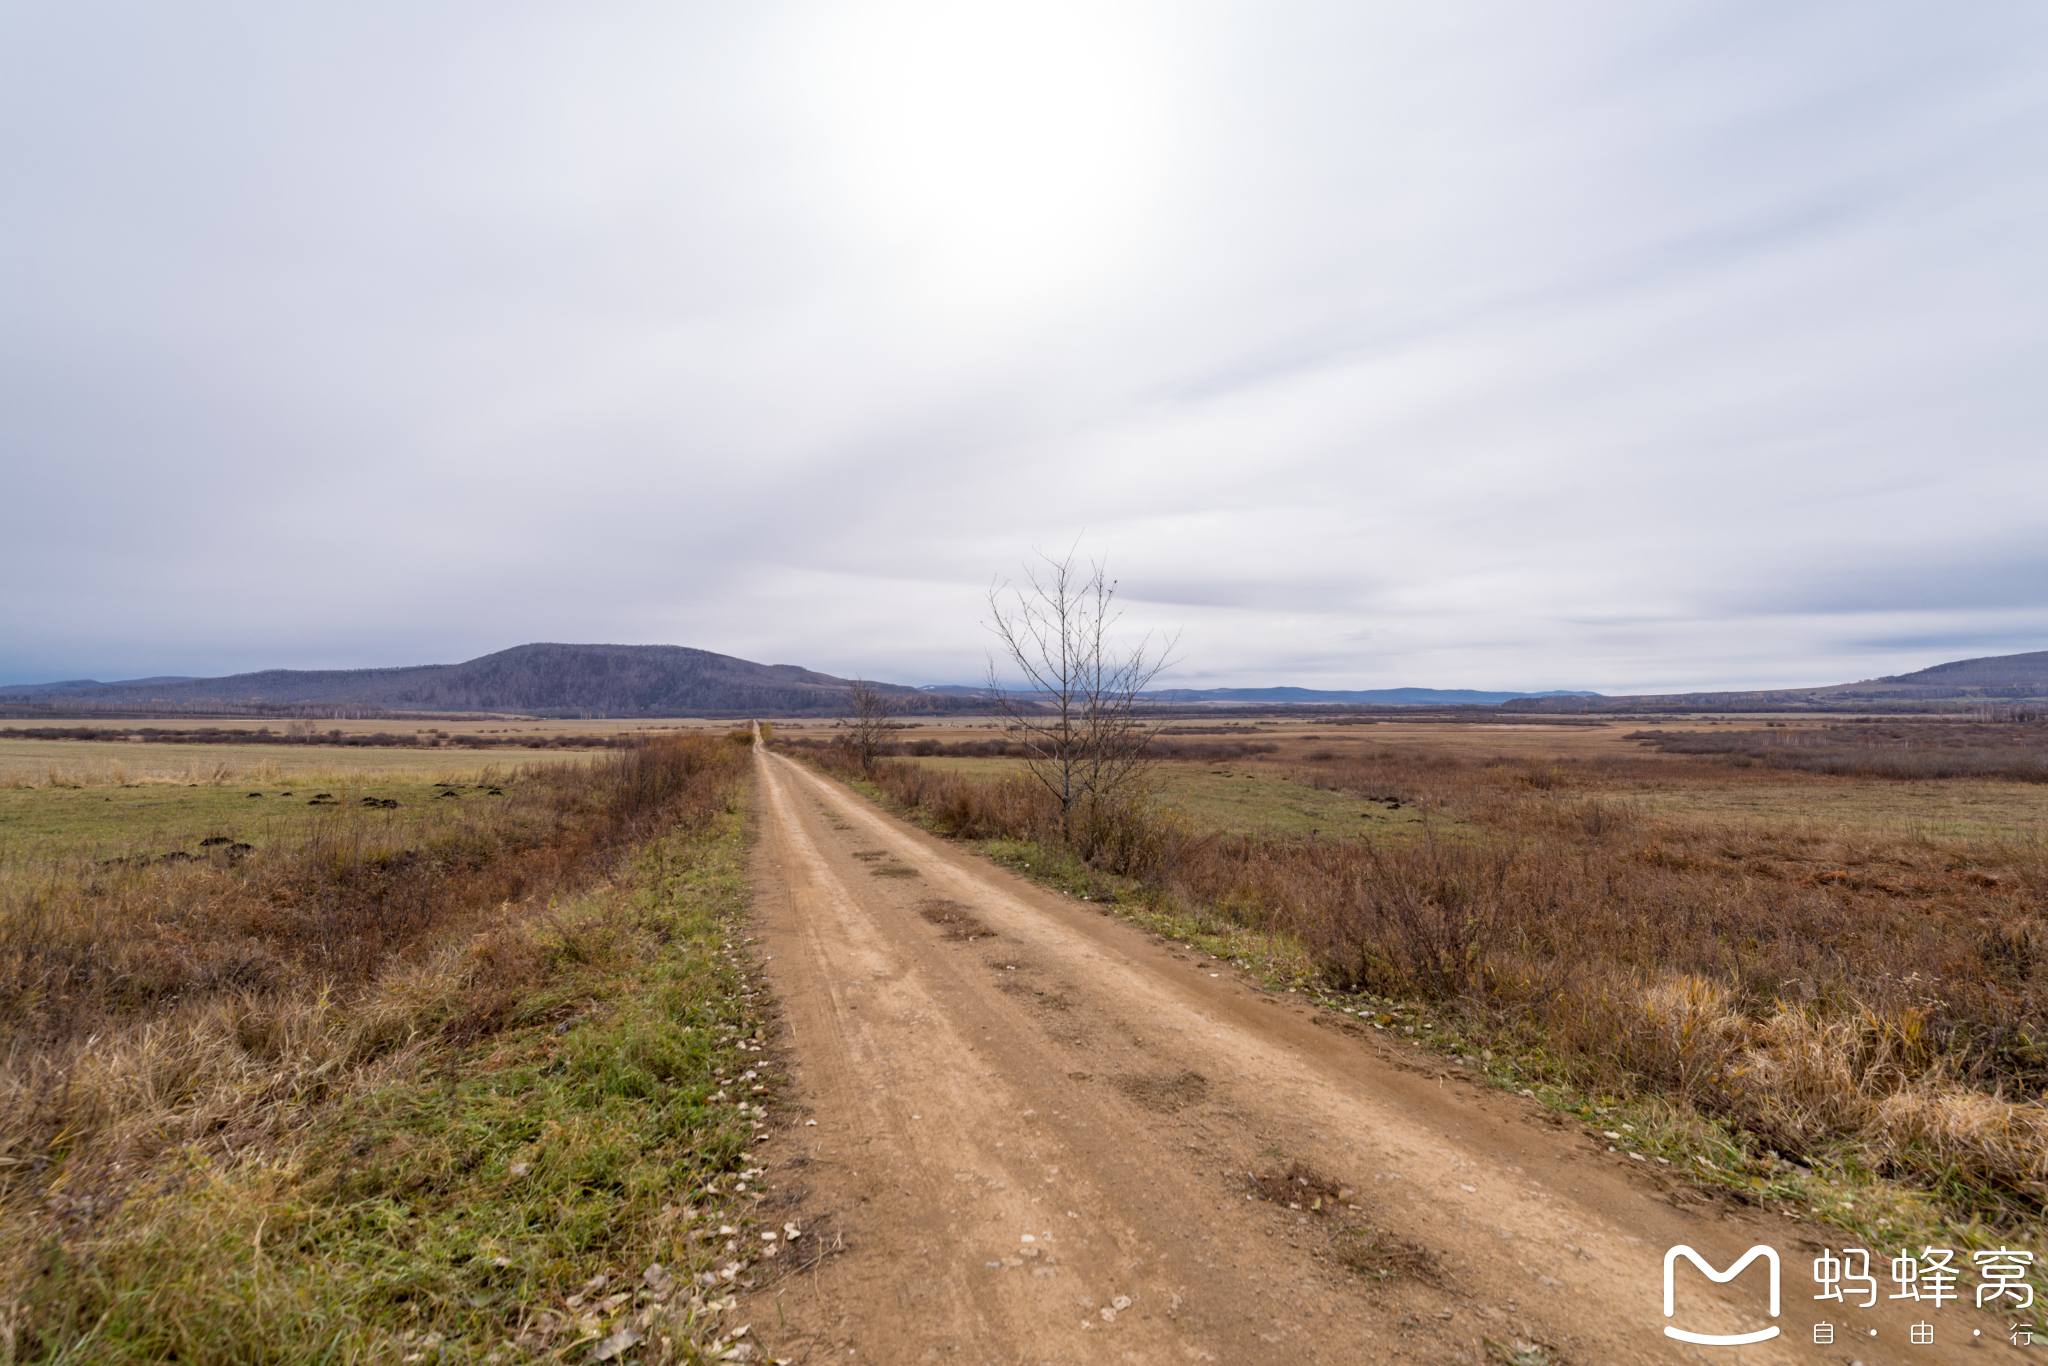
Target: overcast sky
(1618, 345)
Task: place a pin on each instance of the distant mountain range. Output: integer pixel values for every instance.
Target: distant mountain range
(673, 680)
(606, 680)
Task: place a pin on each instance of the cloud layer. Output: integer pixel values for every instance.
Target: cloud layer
(1616, 346)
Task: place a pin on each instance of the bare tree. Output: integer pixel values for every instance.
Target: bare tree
(1084, 732)
(867, 721)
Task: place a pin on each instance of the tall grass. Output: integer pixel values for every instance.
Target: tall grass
(151, 1004)
(440, 1154)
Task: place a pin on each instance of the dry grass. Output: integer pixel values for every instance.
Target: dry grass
(2015, 751)
(1816, 989)
(31, 764)
(343, 1100)
(149, 1004)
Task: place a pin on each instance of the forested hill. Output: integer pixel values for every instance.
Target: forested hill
(609, 680)
(2027, 673)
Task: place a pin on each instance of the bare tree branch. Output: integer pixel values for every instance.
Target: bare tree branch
(1081, 723)
(867, 721)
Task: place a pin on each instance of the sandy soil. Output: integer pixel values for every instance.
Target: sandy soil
(1028, 1132)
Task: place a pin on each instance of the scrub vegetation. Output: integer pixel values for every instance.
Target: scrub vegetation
(438, 1072)
(1879, 748)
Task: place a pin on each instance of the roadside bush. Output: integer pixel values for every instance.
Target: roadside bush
(1134, 837)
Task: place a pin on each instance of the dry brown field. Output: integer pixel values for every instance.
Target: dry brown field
(75, 763)
(1266, 791)
(336, 1073)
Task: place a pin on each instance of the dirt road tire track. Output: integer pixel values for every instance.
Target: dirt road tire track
(1014, 1134)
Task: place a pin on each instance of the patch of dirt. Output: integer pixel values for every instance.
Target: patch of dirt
(1365, 1249)
(959, 922)
(1380, 1256)
(1164, 1093)
(1054, 999)
(1299, 1186)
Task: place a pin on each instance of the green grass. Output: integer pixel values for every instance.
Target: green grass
(51, 823)
(1259, 797)
(1244, 800)
(1256, 796)
(453, 1205)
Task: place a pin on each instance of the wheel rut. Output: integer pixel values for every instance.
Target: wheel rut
(1041, 1135)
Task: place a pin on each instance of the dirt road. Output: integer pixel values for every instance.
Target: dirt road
(1036, 1129)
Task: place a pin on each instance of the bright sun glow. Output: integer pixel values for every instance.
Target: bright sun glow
(1010, 149)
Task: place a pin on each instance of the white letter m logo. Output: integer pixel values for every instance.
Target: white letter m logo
(1720, 1278)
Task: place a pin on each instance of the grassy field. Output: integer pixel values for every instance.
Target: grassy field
(50, 825)
(1955, 809)
(1283, 793)
(75, 763)
(431, 750)
(469, 1078)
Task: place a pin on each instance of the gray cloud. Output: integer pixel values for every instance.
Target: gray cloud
(1606, 346)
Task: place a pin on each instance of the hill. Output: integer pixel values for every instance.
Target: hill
(548, 679)
(1992, 680)
(2001, 673)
